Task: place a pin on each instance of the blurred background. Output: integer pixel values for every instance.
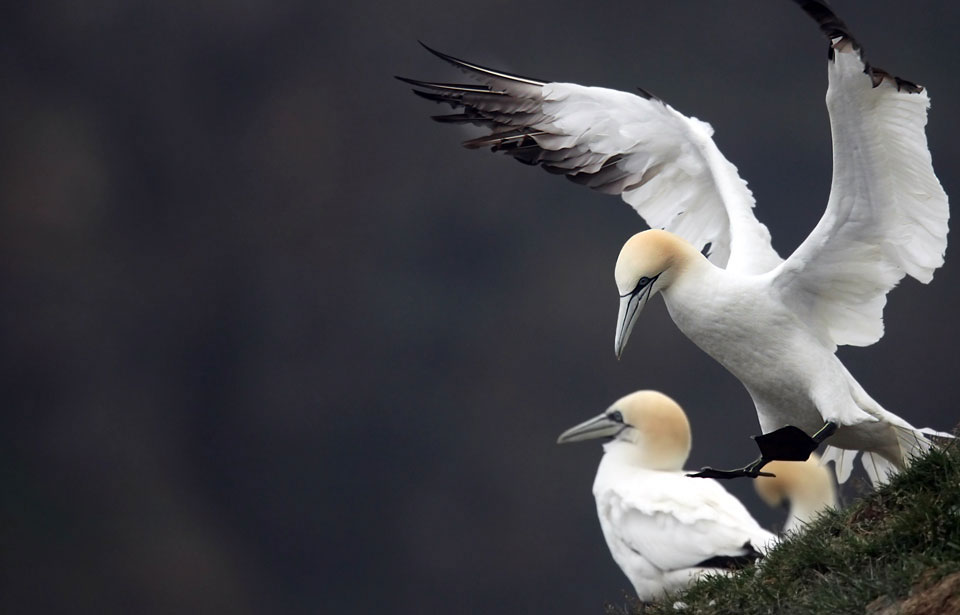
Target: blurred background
(275, 343)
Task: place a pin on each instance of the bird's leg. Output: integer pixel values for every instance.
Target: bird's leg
(751, 470)
(787, 444)
(829, 428)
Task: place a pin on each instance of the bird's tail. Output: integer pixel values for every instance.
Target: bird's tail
(910, 443)
(842, 461)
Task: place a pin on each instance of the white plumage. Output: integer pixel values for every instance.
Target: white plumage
(886, 215)
(663, 528)
(774, 324)
(784, 358)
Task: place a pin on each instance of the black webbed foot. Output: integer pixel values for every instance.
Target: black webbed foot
(747, 472)
(792, 443)
(786, 444)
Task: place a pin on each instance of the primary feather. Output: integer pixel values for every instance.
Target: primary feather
(661, 162)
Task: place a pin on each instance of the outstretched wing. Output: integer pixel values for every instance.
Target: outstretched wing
(887, 213)
(662, 163)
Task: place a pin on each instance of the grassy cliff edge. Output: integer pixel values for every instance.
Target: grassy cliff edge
(894, 552)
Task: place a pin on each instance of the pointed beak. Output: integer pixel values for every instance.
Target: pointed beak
(630, 307)
(598, 427)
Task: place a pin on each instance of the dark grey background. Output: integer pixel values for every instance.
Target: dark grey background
(275, 343)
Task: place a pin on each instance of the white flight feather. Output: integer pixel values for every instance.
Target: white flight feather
(886, 216)
(677, 178)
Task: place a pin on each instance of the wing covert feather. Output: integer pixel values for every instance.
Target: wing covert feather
(676, 525)
(661, 162)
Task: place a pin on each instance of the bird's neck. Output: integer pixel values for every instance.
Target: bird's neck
(681, 256)
(693, 281)
(624, 453)
(686, 265)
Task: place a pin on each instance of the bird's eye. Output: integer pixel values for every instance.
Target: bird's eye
(615, 416)
(641, 284)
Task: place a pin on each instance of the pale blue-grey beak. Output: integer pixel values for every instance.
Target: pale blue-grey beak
(631, 305)
(602, 426)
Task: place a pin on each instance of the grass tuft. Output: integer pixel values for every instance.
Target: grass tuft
(896, 550)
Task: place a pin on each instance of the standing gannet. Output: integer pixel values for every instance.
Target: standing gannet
(662, 528)
(804, 487)
(781, 320)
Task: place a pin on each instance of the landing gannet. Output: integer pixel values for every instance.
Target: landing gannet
(774, 324)
(662, 528)
(777, 332)
(805, 487)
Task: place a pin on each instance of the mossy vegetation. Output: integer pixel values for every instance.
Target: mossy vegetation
(896, 551)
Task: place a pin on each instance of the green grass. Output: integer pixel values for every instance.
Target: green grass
(890, 553)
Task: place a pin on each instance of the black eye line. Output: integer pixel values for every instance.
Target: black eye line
(615, 416)
(641, 283)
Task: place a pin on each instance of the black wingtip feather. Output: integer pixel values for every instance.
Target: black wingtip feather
(506, 141)
(733, 561)
(443, 56)
(438, 98)
(459, 88)
(414, 82)
(646, 94)
(834, 28)
(460, 118)
(477, 68)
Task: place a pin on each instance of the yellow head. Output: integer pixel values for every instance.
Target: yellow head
(805, 486)
(648, 263)
(650, 420)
